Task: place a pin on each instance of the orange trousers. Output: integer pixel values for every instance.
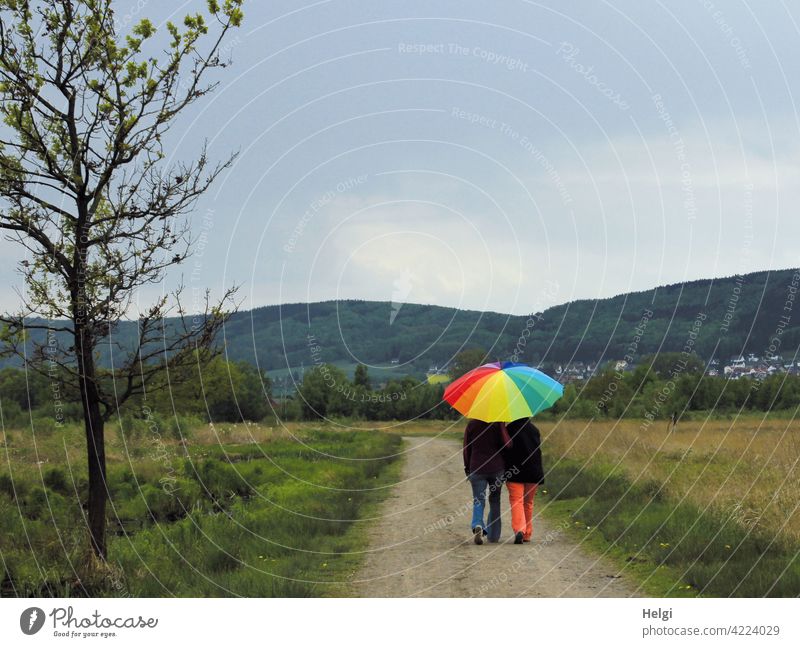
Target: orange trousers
(521, 496)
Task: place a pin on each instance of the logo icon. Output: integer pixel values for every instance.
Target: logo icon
(31, 620)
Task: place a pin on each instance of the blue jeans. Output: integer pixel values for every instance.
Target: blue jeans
(480, 483)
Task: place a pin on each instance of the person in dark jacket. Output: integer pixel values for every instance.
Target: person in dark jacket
(524, 472)
(485, 469)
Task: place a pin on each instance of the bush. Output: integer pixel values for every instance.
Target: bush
(181, 426)
(220, 481)
(34, 504)
(7, 485)
(218, 561)
(55, 479)
(133, 428)
(13, 415)
(45, 425)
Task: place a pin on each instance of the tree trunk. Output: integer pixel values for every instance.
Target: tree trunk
(95, 443)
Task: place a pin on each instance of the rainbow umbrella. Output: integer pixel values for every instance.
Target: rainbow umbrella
(502, 392)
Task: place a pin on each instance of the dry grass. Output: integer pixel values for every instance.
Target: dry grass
(21, 447)
(748, 469)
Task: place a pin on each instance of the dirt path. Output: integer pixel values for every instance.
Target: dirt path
(422, 545)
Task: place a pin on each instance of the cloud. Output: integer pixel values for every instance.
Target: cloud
(637, 219)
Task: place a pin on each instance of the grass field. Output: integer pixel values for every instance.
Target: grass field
(747, 470)
(237, 510)
(253, 510)
(672, 547)
(709, 508)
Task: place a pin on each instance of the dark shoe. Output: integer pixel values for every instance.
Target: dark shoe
(477, 535)
(526, 541)
(518, 538)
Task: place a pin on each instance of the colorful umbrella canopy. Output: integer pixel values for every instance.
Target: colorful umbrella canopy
(502, 392)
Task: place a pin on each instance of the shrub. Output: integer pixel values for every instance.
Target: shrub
(34, 504)
(7, 485)
(220, 480)
(13, 415)
(220, 561)
(56, 480)
(45, 425)
(162, 506)
(132, 428)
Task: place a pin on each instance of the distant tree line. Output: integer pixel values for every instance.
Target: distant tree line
(657, 389)
(234, 392)
(222, 391)
(326, 392)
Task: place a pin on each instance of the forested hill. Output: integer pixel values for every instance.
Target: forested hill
(742, 314)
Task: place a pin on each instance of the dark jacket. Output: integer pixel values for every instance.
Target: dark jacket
(483, 448)
(524, 457)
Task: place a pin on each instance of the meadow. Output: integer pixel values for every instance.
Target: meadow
(710, 508)
(745, 469)
(228, 510)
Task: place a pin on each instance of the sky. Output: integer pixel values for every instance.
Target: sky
(502, 156)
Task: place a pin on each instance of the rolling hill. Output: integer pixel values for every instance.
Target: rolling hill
(734, 315)
(722, 317)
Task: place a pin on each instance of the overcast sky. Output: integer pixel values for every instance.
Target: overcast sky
(498, 156)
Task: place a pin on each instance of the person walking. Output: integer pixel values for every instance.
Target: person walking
(484, 466)
(524, 473)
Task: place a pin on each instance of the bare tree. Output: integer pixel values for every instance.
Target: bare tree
(85, 189)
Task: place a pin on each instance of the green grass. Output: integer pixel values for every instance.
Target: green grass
(282, 518)
(672, 548)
